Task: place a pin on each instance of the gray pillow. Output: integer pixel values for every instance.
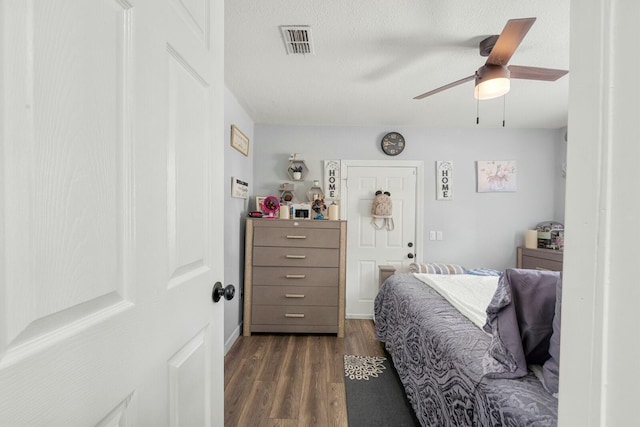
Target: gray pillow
(551, 368)
(520, 319)
(436, 268)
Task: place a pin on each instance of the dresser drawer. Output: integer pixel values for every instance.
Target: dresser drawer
(296, 276)
(541, 264)
(294, 315)
(297, 237)
(295, 295)
(539, 259)
(295, 257)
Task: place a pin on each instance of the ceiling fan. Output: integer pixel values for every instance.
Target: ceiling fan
(493, 78)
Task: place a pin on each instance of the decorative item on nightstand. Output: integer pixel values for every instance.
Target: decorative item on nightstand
(550, 235)
(531, 239)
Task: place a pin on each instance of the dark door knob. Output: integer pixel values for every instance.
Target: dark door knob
(410, 255)
(410, 244)
(227, 292)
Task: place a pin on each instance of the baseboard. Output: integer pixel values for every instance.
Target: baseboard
(232, 339)
(359, 316)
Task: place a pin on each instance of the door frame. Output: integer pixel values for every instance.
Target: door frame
(419, 168)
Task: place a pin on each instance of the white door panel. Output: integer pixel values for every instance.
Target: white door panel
(368, 247)
(188, 140)
(189, 388)
(111, 159)
(66, 201)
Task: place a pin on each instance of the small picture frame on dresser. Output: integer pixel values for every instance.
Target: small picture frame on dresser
(259, 200)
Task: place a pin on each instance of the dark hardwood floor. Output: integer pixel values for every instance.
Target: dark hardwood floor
(292, 380)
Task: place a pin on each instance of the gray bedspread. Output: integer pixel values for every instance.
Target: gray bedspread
(438, 355)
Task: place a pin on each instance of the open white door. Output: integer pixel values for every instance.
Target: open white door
(111, 161)
(368, 247)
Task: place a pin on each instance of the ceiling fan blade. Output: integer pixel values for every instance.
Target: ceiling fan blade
(509, 40)
(535, 73)
(445, 87)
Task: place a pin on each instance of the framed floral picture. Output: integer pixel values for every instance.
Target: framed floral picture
(496, 176)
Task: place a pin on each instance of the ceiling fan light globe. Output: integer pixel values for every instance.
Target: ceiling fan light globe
(492, 88)
(492, 81)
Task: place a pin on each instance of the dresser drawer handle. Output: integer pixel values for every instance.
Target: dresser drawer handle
(296, 276)
(294, 295)
(296, 256)
(296, 315)
(296, 237)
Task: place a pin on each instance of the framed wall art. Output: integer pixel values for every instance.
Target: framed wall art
(239, 140)
(496, 176)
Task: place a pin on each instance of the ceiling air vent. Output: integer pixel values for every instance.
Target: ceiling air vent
(297, 39)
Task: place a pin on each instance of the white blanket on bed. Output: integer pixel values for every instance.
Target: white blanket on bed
(468, 293)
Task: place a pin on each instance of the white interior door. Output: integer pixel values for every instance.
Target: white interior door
(368, 247)
(111, 155)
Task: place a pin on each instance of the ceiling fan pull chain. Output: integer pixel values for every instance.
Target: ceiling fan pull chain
(477, 111)
(504, 108)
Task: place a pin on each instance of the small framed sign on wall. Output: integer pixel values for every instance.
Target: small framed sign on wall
(239, 140)
(444, 180)
(239, 188)
(332, 179)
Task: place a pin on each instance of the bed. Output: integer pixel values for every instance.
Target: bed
(447, 363)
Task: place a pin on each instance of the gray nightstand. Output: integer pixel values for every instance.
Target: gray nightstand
(384, 272)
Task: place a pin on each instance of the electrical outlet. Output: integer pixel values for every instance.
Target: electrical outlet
(438, 235)
(432, 235)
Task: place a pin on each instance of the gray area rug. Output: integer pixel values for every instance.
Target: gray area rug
(375, 396)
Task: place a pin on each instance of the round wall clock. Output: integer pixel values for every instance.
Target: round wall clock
(392, 144)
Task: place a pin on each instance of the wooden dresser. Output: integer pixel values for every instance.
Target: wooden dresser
(539, 259)
(294, 276)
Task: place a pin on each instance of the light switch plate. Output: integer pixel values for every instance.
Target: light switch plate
(432, 235)
(438, 235)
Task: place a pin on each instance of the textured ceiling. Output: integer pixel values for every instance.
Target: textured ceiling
(373, 56)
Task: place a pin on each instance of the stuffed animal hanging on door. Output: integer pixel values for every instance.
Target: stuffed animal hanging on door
(382, 208)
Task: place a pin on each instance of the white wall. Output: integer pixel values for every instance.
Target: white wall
(239, 166)
(479, 229)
